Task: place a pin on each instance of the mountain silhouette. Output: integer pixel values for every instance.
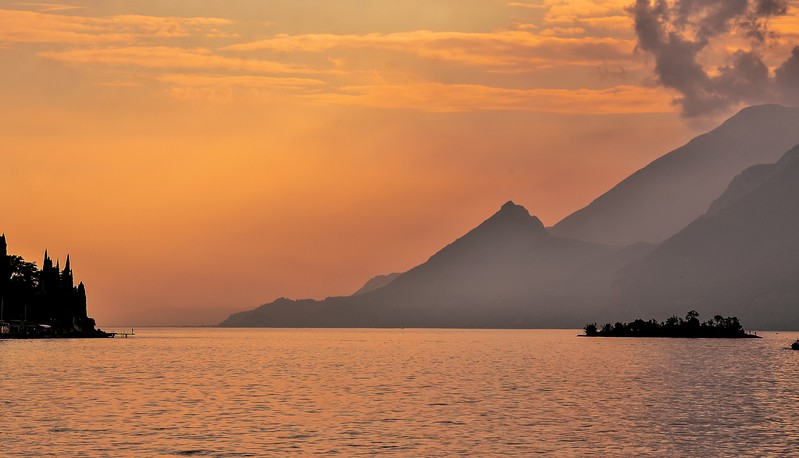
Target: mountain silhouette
(724, 210)
(504, 273)
(657, 201)
(751, 179)
(741, 257)
(377, 283)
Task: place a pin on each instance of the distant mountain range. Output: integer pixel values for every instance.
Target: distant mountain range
(711, 226)
(504, 273)
(655, 202)
(740, 258)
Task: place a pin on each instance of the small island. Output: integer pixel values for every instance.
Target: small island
(690, 327)
(42, 303)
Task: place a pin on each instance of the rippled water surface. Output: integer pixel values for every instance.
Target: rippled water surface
(221, 392)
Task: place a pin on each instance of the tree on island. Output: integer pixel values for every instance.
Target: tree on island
(690, 327)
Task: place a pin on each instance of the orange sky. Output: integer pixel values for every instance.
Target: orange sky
(201, 157)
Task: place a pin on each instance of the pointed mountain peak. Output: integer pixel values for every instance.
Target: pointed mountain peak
(511, 209)
(510, 206)
(511, 214)
(510, 230)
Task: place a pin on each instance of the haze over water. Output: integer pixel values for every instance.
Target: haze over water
(231, 392)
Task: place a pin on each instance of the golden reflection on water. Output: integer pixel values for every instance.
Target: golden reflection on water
(227, 392)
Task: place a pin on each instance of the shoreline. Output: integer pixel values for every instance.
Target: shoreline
(747, 336)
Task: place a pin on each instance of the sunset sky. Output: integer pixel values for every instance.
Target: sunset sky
(198, 157)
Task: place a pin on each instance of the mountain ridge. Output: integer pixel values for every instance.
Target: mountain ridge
(740, 258)
(663, 197)
(499, 274)
(377, 282)
(512, 272)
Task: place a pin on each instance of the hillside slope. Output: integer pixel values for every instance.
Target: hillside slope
(662, 198)
(741, 258)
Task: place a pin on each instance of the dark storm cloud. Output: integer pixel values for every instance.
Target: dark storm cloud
(709, 17)
(771, 7)
(747, 76)
(676, 32)
(787, 78)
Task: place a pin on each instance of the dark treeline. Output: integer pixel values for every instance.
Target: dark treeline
(690, 326)
(46, 301)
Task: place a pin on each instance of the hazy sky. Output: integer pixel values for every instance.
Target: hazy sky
(204, 156)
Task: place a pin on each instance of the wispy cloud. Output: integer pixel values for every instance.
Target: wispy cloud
(582, 18)
(163, 57)
(501, 48)
(248, 81)
(19, 27)
(448, 98)
(531, 6)
(53, 7)
(425, 70)
(224, 88)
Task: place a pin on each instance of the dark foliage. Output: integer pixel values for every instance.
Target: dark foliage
(45, 301)
(690, 326)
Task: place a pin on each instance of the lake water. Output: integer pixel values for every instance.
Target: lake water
(228, 392)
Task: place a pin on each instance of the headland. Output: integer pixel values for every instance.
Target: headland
(42, 303)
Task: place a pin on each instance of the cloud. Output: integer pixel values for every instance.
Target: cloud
(501, 48)
(38, 6)
(165, 57)
(619, 24)
(449, 98)
(787, 78)
(532, 6)
(248, 81)
(771, 7)
(17, 27)
(679, 33)
(223, 88)
(567, 12)
(439, 71)
(595, 18)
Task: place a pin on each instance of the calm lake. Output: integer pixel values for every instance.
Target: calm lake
(266, 392)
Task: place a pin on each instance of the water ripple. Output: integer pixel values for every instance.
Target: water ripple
(231, 393)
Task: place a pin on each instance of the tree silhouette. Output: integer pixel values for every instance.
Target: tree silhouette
(32, 298)
(718, 327)
(24, 275)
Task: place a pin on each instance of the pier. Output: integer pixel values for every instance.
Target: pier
(123, 334)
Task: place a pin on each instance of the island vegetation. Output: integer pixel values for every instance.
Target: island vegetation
(41, 303)
(689, 327)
